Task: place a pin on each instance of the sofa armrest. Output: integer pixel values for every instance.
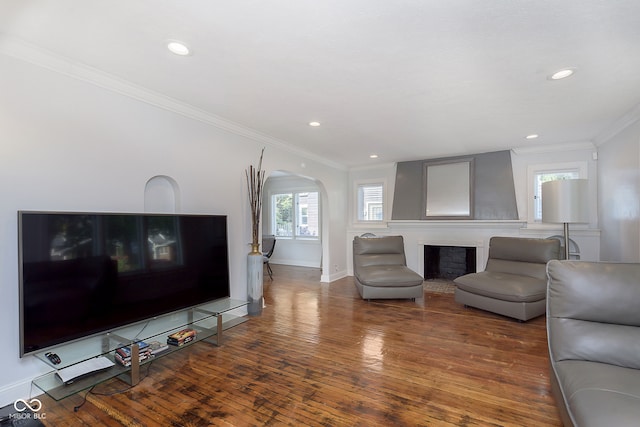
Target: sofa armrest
(592, 312)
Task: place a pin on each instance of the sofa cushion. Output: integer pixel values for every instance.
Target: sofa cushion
(388, 276)
(387, 250)
(583, 290)
(503, 286)
(537, 251)
(573, 339)
(520, 268)
(522, 256)
(599, 394)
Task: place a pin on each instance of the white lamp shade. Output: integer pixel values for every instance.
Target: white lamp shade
(565, 201)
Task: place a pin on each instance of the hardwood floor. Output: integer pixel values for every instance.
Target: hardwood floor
(320, 356)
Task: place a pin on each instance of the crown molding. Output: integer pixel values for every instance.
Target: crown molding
(386, 165)
(19, 49)
(553, 148)
(618, 126)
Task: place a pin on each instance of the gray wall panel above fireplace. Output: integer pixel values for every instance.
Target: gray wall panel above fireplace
(407, 199)
(494, 190)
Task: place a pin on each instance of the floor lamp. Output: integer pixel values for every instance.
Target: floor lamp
(565, 201)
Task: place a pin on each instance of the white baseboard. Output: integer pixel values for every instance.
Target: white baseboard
(324, 278)
(19, 390)
(294, 262)
(328, 278)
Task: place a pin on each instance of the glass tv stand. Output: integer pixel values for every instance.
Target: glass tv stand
(207, 320)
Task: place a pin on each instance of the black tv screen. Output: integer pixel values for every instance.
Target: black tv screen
(86, 273)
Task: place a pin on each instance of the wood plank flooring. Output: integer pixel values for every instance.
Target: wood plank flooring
(320, 356)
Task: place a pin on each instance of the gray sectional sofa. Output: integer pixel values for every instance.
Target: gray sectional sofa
(593, 328)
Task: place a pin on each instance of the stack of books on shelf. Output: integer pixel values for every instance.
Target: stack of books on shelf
(181, 337)
(157, 347)
(123, 354)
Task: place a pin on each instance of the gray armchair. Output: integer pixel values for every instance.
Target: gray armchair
(380, 269)
(514, 282)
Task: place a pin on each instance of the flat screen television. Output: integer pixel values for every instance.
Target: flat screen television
(83, 274)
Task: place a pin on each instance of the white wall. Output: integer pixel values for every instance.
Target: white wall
(69, 145)
(619, 207)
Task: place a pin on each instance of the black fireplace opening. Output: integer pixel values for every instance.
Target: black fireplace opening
(448, 262)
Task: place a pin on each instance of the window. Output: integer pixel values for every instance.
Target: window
(283, 214)
(370, 202)
(296, 214)
(307, 214)
(540, 176)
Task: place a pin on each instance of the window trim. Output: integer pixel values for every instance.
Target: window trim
(533, 170)
(370, 182)
(295, 220)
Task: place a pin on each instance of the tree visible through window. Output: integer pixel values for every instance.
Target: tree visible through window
(283, 206)
(300, 209)
(370, 202)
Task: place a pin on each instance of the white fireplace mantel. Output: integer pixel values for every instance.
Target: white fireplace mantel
(472, 233)
(460, 223)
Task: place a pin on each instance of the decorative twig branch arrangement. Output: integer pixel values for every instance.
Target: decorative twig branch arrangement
(255, 184)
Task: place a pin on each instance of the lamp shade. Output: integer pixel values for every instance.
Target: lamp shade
(565, 201)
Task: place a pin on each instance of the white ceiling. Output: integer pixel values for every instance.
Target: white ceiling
(405, 79)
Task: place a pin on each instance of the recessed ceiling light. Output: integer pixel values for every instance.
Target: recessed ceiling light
(532, 136)
(373, 156)
(562, 74)
(314, 124)
(178, 48)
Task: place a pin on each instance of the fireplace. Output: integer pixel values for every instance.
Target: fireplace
(448, 262)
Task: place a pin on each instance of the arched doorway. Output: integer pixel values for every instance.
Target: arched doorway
(294, 208)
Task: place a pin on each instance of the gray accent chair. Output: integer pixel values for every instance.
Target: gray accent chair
(593, 328)
(514, 282)
(380, 269)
